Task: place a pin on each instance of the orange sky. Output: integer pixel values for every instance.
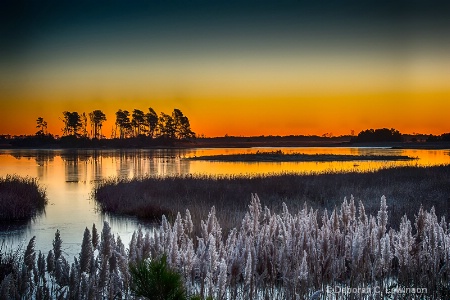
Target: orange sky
(282, 97)
(316, 114)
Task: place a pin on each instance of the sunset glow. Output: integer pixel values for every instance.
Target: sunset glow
(278, 69)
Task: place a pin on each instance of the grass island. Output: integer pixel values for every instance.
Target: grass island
(280, 156)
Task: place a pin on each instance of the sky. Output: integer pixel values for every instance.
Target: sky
(250, 67)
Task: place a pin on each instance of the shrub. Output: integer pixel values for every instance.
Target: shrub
(155, 280)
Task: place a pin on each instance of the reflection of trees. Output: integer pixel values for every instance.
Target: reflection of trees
(170, 162)
(138, 164)
(85, 165)
(122, 166)
(43, 158)
(96, 165)
(185, 166)
(150, 163)
(75, 165)
(134, 163)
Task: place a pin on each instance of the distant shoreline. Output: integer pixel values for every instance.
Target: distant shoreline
(218, 142)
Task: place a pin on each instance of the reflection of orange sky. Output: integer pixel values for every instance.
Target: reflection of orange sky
(55, 169)
(426, 158)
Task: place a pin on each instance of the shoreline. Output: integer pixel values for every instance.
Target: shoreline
(237, 145)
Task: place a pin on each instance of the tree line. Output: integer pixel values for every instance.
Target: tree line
(378, 135)
(127, 125)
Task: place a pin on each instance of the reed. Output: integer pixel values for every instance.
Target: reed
(21, 198)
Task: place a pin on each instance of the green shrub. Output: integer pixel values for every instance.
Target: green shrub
(155, 280)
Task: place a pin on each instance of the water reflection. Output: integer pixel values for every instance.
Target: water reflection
(69, 176)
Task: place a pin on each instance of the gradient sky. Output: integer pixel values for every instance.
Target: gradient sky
(251, 67)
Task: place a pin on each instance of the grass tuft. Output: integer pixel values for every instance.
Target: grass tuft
(21, 198)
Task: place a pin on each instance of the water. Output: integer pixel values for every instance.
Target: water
(70, 175)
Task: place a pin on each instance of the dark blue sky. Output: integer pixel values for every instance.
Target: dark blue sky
(27, 23)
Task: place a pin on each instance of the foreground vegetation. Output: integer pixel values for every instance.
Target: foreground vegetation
(285, 255)
(407, 187)
(280, 156)
(20, 198)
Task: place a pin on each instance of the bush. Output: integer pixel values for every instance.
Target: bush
(155, 280)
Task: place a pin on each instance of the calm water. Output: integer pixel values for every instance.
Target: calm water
(69, 176)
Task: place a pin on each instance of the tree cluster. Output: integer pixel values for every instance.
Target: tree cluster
(378, 135)
(440, 138)
(174, 126)
(127, 125)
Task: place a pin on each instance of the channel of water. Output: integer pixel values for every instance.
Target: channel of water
(70, 175)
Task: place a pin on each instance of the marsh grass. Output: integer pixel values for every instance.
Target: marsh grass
(21, 198)
(280, 156)
(407, 188)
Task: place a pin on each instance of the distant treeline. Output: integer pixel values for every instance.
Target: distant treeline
(393, 135)
(51, 142)
(378, 135)
(139, 129)
(440, 138)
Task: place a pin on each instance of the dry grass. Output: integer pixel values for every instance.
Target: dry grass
(21, 198)
(406, 188)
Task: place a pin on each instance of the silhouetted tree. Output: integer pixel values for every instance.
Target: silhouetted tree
(97, 117)
(138, 122)
(151, 121)
(123, 122)
(182, 125)
(72, 123)
(84, 132)
(166, 126)
(378, 135)
(41, 125)
(445, 137)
